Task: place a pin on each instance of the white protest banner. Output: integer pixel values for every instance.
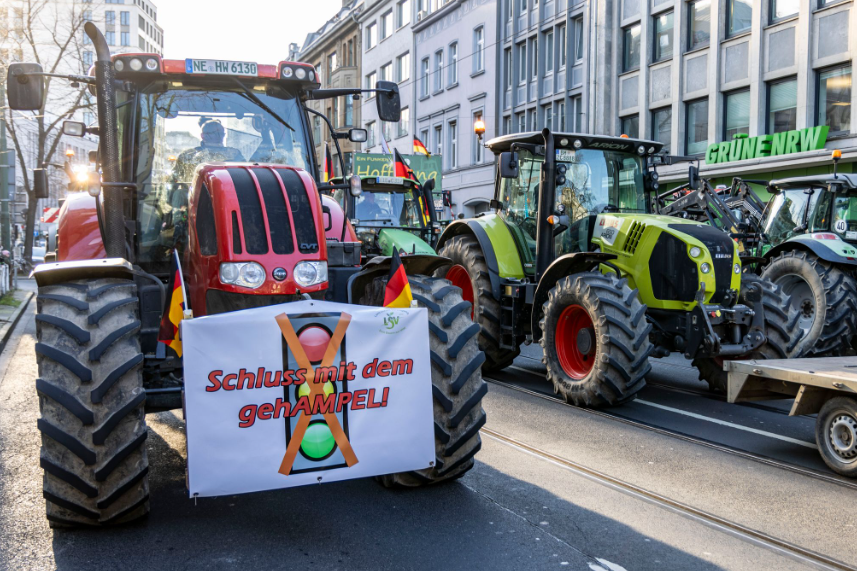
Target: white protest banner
(305, 392)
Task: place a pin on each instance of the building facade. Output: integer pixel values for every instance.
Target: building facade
(455, 54)
(698, 75)
(388, 56)
(334, 50)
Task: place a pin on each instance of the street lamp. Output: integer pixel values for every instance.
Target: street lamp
(479, 128)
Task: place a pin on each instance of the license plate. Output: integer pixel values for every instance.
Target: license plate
(391, 180)
(566, 156)
(221, 67)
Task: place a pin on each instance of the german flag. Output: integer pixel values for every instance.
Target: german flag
(328, 165)
(174, 310)
(419, 147)
(401, 167)
(398, 291)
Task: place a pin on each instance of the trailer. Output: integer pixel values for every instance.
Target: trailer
(827, 387)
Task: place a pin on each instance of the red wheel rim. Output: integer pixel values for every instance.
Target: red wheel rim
(575, 342)
(460, 279)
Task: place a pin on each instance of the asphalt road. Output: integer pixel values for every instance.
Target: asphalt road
(553, 487)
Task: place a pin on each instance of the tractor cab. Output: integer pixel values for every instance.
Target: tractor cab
(391, 213)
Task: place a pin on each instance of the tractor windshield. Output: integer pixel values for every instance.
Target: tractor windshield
(595, 181)
(180, 127)
(386, 208)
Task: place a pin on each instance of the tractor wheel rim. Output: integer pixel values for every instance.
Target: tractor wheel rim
(461, 279)
(842, 437)
(802, 299)
(576, 342)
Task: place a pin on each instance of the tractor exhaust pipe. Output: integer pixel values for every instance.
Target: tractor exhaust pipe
(105, 89)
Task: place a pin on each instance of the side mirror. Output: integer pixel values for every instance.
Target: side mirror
(358, 135)
(356, 185)
(693, 177)
(24, 90)
(388, 102)
(40, 183)
(73, 128)
(509, 165)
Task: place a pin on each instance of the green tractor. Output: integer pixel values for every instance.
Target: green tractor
(572, 258)
(804, 240)
(392, 213)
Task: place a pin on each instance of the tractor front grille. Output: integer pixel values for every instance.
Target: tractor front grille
(674, 275)
(722, 250)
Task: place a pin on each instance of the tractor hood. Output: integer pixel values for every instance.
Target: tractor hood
(404, 241)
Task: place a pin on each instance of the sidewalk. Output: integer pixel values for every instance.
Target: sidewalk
(12, 306)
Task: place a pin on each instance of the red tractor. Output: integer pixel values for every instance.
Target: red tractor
(213, 160)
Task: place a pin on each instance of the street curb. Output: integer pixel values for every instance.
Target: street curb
(14, 321)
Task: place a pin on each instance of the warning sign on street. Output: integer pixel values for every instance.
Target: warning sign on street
(303, 393)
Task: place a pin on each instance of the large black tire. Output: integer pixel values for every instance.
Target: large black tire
(465, 251)
(456, 378)
(782, 329)
(605, 361)
(824, 295)
(91, 400)
(836, 435)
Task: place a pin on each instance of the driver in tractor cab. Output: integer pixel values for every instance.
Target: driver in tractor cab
(368, 209)
(210, 150)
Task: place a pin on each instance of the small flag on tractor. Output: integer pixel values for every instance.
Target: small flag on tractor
(401, 167)
(398, 291)
(419, 147)
(328, 164)
(174, 310)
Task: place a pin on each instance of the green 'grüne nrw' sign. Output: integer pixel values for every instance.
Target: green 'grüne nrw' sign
(785, 143)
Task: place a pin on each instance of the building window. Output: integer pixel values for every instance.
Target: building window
(371, 35)
(548, 53)
(534, 57)
(507, 68)
(4, 17)
(523, 7)
(507, 125)
(522, 63)
(350, 61)
(549, 116)
(453, 145)
(110, 17)
(699, 24)
(577, 24)
(662, 124)
(87, 58)
(403, 122)
(403, 67)
(142, 43)
(110, 37)
(438, 140)
(387, 130)
(563, 46)
(631, 126)
(478, 49)
(736, 105)
(577, 114)
(425, 138)
(631, 48)
(371, 80)
(453, 63)
(834, 98)
(331, 65)
(387, 72)
(696, 128)
(531, 117)
(438, 70)
(663, 48)
(386, 24)
(349, 111)
(522, 123)
(782, 106)
(125, 18)
(424, 77)
(738, 16)
(403, 13)
(125, 38)
(783, 9)
(370, 137)
(477, 144)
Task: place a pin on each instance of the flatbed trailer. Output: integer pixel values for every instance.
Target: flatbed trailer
(827, 387)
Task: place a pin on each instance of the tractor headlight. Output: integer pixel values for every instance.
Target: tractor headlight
(736, 268)
(244, 274)
(695, 252)
(310, 273)
(705, 267)
(136, 65)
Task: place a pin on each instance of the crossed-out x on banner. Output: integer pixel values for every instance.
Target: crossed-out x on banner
(316, 390)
